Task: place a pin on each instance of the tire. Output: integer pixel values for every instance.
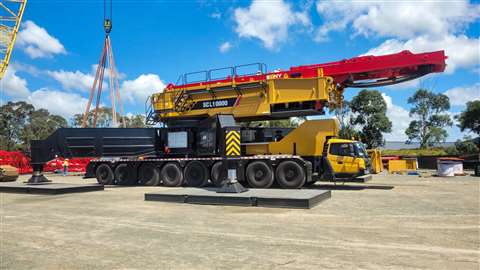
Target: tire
(259, 175)
(290, 174)
(104, 174)
(123, 174)
(149, 175)
(477, 170)
(195, 174)
(171, 175)
(215, 175)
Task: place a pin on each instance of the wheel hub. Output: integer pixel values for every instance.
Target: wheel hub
(259, 174)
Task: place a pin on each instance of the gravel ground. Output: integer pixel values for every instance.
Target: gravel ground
(391, 222)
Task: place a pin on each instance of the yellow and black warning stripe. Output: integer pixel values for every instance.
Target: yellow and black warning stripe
(232, 143)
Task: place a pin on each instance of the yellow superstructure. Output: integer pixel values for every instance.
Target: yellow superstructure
(258, 99)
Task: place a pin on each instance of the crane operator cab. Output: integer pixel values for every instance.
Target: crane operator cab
(348, 158)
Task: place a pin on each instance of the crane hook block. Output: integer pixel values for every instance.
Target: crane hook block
(107, 25)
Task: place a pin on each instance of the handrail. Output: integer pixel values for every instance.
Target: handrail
(234, 73)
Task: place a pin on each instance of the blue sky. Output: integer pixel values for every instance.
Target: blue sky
(154, 41)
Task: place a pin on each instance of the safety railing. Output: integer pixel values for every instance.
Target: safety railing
(219, 74)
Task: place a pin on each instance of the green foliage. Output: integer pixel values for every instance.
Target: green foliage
(461, 147)
(104, 119)
(466, 146)
(281, 123)
(470, 118)
(40, 125)
(369, 112)
(428, 109)
(134, 121)
(438, 151)
(13, 117)
(451, 150)
(20, 123)
(347, 129)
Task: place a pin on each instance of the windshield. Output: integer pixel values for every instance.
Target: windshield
(360, 149)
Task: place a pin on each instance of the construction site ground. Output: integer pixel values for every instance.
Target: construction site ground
(390, 222)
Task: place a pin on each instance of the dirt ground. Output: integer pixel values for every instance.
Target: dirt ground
(391, 222)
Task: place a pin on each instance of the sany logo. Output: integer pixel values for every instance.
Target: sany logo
(274, 76)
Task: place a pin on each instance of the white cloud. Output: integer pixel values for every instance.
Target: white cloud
(12, 85)
(30, 69)
(137, 90)
(268, 21)
(404, 20)
(72, 79)
(418, 26)
(400, 120)
(462, 52)
(337, 15)
(406, 85)
(37, 43)
(459, 96)
(120, 75)
(57, 102)
(77, 80)
(225, 47)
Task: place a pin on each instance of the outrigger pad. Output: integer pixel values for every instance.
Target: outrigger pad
(283, 198)
(48, 188)
(37, 179)
(234, 187)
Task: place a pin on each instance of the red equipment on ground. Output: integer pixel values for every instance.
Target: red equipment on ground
(74, 165)
(20, 161)
(16, 159)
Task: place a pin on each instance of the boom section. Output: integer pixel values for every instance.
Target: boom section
(299, 91)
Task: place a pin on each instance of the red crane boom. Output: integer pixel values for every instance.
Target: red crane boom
(368, 71)
(362, 71)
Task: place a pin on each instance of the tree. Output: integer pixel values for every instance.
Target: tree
(467, 146)
(369, 112)
(13, 117)
(280, 123)
(40, 125)
(428, 109)
(20, 123)
(104, 119)
(134, 121)
(347, 129)
(470, 118)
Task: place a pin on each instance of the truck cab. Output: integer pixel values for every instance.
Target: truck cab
(348, 158)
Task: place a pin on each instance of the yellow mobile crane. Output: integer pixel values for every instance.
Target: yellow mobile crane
(200, 138)
(300, 91)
